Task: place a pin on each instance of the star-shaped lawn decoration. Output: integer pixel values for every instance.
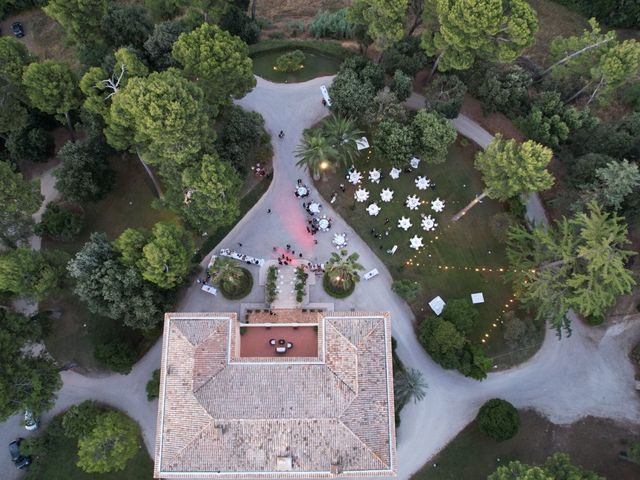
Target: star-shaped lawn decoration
(404, 223)
(416, 242)
(386, 195)
(437, 205)
(373, 209)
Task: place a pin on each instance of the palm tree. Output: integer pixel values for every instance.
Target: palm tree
(342, 133)
(226, 271)
(343, 269)
(315, 152)
(409, 385)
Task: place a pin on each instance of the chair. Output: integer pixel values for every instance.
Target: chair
(289, 345)
(281, 350)
(272, 341)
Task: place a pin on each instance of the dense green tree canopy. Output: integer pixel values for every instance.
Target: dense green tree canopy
(113, 441)
(53, 88)
(577, 263)
(130, 244)
(384, 20)
(433, 136)
(84, 174)
(30, 144)
(395, 142)
(315, 152)
(213, 189)
(79, 18)
(30, 273)
(160, 43)
(460, 31)
(126, 25)
(350, 96)
(14, 115)
(79, 420)
(20, 198)
(14, 56)
(498, 419)
(445, 95)
(26, 381)
(162, 115)
(510, 168)
(218, 61)
(556, 467)
(615, 181)
(166, 258)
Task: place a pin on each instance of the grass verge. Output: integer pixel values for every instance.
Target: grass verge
(241, 290)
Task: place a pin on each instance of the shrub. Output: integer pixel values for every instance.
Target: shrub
(634, 452)
(241, 290)
(462, 314)
(277, 35)
(632, 96)
(59, 224)
(30, 144)
(295, 27)
(79, 420)
(445, 95)
(290, 61)
(153, 385)
(402, 85)
(116, 354)
(300, 284)
(334, 291)
(406, 55)
(406, 289)
(271, 286)
(332, 25)
(498, 419)
(241, 134)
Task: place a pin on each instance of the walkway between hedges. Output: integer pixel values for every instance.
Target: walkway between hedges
(586, 374)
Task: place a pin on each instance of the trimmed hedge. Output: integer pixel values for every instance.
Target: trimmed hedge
(243, 290)
(336, 292)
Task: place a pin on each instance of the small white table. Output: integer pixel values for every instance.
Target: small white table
(437, 305)
(210, 289)
(477, 298)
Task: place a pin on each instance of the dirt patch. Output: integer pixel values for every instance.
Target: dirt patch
(44, 37)
(592, 442)
(296, 9)
(494, 122)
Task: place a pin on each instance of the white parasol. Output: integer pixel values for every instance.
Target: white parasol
(422, 183)
(386, 195)
(361, 195)
(373, 209)
(428, 223)
(404, 223)
(340, 239)
(416, 242)
(413, 202)
(314, 207)
(414, 162)
(374, 175)
(355, 177)
(437, 205)
(395, 173)
(324, 224)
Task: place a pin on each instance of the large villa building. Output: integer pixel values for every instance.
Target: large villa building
(287, 394)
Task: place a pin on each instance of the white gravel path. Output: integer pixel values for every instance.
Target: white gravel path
(586, 374)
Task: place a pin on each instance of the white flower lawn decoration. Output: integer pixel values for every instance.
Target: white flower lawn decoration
(395, 173)
(361, 195)
(428, 223)
(437, 205)
(422, 183)
(355, 177)
(373, 209)
(374, 175)
(386, 195)
(416, 242)
(413, 202)
(404, 223)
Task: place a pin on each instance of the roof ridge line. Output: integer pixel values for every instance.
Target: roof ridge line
(335, 374)
(363, 443)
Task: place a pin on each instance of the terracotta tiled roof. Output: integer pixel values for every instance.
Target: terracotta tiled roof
(282, 419)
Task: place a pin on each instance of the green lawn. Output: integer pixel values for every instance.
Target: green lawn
(459, 258)
(316, 64)
(592, 443)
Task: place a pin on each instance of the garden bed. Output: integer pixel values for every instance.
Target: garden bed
(334, 291)
(241, 291)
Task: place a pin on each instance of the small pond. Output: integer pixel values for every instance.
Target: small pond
(316, 64)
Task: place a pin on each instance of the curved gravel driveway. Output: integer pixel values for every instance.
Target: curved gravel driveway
(585, 374)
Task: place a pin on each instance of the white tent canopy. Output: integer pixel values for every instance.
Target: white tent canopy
(437, 205)
(404, 223)
(373, 209)
(413, 202)
(428, 223)
(437, 305)
(422, 183)
(416, 242)
(355, 177)
(386, 195)
(361, 195)
(362, 143)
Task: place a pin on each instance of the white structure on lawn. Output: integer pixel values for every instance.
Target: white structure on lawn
(361, 195)
(355, 177)
(437, 205)
(422, 183)
(373, 209)
(386, 195)
(404, 223)
(395, 173)
(428, 223)
(416, 242)
(413, 202)
(374, 175)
